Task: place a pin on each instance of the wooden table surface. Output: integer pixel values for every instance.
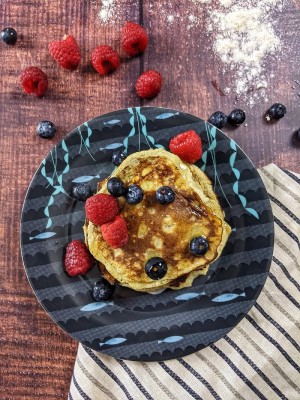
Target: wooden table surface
(36, 356)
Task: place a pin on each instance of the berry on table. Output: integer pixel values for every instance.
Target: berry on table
(148, 85)
(46, 129)
(34, 80)
(218, 119)
(187, 146)
(103, 290)
(105, 60)
(101, 208)
(276, 111)
(66, 52)
(78, 261)
(115, 232)
(198, 246)
(116, 187)
(134, 194)
(134, 39)
(298, 134)
(156, 268)
(9, 36)
(81, 191)
(237, 117)
(165, 195)
(118, 157)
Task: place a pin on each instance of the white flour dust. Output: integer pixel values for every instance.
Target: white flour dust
(244, 34)
(107, 10)
(244, 38)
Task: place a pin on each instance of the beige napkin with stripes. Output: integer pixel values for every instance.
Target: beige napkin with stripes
(258, 359)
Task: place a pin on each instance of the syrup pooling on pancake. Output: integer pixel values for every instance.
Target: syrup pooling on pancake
(161, 230)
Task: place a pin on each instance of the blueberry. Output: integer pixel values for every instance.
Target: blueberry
(298, 134)
(116, 187)
(135, 194)
(81, 191)
(218, 119)
(277, 111)
(156, 268)
(237, 117)
(199, 246)
(9, 36)
(46, 130)
(103, 290)
(165, 195)
(118, 157)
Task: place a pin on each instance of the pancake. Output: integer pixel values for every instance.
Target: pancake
(157, 230)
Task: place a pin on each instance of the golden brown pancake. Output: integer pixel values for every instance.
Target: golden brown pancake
(157, 230)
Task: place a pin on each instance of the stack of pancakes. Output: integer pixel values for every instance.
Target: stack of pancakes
(161, 230)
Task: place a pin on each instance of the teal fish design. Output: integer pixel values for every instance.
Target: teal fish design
(113, 342)
(228, 297)
(43, 235)
(189, 296)
(166, 115)
(96, 306)
(170, 339)
(112, 146)
(112, 122)
(85, 178)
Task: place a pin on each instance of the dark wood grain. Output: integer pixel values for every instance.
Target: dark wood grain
(36, 356)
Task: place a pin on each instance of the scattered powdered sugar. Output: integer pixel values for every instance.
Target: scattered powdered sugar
(107, 10)
(170, 19)
(243, 34)
(244, 37)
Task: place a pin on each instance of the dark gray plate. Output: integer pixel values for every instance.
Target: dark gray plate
(133, 325)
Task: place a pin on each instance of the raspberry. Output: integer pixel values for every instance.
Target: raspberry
(34, 80)
(78, 260)
(134, 39)
(148, 84)
(101, 208)
(115, 232)
(105, 60)
(66, 52)
(187, 146)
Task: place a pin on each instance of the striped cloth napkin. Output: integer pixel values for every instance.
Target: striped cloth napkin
(258, 359)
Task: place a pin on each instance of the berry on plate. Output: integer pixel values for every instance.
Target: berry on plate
(101, 208)
(134, 39)
(156, 268)
(199, 246)
(105, 60)
(78, 261)
(116, 187)
(237, 117)
(165, 195)
(46, 129)
(66, 52)
(117, 157)
(81, 191)
(103, 290)
(148, 85)
(34, 81)
(134, 194)
(115, 232)
(187, 146)
(218, 119)
(9, 36)
(277, 111)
